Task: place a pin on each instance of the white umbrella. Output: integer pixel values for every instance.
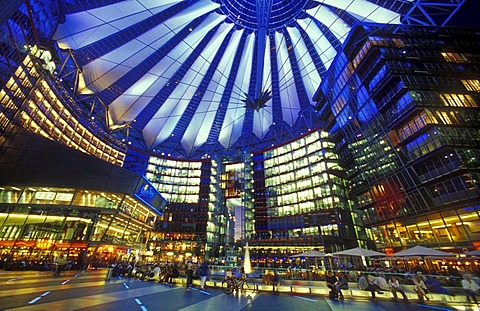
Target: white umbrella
(473, 253)
(310, 254)
(422, 252)
(359, 252)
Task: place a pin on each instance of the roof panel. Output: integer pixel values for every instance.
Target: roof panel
(158, 64)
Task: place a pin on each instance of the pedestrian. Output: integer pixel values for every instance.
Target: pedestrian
(332, 283)
(342, 284)
(365, 284)
(156, 272)
(189, 276)
(276, 279)
(471, 288)
(228, 274)
(420, 288)
(396, 288)
(203, 274)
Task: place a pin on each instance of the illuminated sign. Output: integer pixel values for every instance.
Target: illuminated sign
(146, 192)
(60, 196)
(41, 195)
(64, 197)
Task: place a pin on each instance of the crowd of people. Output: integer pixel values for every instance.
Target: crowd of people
(164, 272)
(422, 285)
(373, 281)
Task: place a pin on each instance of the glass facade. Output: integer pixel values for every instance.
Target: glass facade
(399, 106)
(402, 106)
(35, 100)
(300, 196)
(196, 212)
(89, 227)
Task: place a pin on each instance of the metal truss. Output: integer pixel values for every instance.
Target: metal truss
(432, 12)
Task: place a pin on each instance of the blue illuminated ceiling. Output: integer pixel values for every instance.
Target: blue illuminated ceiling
(244, 13)
(173, 75)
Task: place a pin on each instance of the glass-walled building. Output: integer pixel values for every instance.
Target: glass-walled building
(56, 200)
(88, 227)
(35, 99)
(402, 107)
(34, 95)
(196, 222)
(300, 197)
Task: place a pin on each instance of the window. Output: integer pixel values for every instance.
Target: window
(455, 57)
(472, 85)
(458, 100)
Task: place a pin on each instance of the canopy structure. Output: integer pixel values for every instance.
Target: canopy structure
(422, 251)
(310, 254)
(191, 78)
(359, 252)
(473, 253)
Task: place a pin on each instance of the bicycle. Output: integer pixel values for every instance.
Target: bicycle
(244, 285)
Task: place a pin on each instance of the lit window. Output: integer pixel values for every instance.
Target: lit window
(458, 100)
(455, 57)
(472, 85)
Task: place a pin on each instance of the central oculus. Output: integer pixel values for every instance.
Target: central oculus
(244, 12)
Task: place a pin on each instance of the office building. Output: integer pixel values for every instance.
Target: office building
(213, 103)
(402, 106)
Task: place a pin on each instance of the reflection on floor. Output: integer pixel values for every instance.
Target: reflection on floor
(88, 290)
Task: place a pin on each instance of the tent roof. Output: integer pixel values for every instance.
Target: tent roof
(422, 251)
(312, 254)
(175, 72)
(473, 253)
(359, 252)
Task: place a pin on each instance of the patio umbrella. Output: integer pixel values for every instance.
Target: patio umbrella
(359, 252)
(310, 254)
(422, 252)
(473, 253)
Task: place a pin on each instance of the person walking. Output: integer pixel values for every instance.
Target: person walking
(203, 274)
(189, 273)
(276, 279)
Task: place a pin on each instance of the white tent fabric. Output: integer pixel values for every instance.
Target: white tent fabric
(359, 252)
(422, 252)
(473, 253)
(180, 82)
(309, 254)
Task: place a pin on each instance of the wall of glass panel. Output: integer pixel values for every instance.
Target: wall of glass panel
(178, 181)
(38, 223)
(406, 128)
(196, 207)
(447, 229)
(300, 193)
(36, 101)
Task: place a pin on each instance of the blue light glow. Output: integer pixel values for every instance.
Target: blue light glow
(182, 68)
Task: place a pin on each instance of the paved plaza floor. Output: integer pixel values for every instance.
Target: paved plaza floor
(88, 290)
